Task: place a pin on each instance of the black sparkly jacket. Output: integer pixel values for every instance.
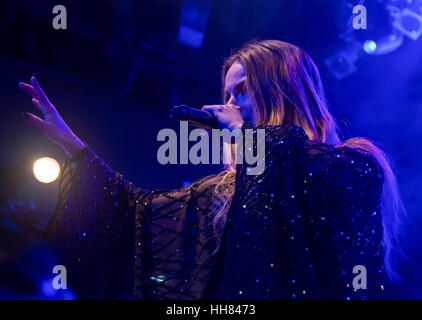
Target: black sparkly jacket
(294, 232)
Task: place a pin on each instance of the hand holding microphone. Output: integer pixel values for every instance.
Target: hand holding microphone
(211, 116)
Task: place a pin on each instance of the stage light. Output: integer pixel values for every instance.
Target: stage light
(388, 44)
(46, 169)
(193, 22)
(370, 46)
(393, 19)
(342, 63)
(409, 23)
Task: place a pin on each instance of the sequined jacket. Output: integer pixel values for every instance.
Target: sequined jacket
(294, 232)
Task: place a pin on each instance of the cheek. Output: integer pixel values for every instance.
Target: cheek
(244, 101)
(246, 108)
(248, 105)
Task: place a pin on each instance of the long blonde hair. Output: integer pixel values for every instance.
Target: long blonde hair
(286, 89)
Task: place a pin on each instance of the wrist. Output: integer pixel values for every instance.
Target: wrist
(72, 146)
(237, 125)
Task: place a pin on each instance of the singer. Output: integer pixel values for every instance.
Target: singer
(321, 209)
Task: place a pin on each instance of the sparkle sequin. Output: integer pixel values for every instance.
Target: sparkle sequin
(283, 241)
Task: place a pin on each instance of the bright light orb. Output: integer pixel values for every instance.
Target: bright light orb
(370, 46)
(46, 169)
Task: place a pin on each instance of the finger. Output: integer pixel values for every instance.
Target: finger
(28, 89)
(36, 103)
(212, 108)
(41, 97)
(33, 120)
(233, 106)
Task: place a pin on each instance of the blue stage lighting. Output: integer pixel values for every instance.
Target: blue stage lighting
(369, 46)
(193, 22)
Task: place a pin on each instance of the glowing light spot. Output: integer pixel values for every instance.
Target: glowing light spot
(369, 46)
(160, 278)
(46, 170)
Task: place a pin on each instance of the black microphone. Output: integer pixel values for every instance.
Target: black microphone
(195, 117)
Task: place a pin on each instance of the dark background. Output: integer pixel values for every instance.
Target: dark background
(119, 66)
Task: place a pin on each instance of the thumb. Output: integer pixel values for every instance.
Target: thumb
(234, 106)
(33, 120)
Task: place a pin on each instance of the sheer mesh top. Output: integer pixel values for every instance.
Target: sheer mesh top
(296, 231)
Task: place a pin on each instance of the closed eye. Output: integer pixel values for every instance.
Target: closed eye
(240, 88)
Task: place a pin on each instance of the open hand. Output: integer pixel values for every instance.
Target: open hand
(53, 125)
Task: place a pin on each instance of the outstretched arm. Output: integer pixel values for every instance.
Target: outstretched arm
(92, 228)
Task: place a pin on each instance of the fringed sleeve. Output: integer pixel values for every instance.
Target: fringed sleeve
(92, 228)
(119, 241)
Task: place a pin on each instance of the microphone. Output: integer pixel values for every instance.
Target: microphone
(195, 117)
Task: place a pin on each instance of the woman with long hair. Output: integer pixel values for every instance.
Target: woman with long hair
(321, 222)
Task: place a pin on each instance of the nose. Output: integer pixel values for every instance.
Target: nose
(232, 100)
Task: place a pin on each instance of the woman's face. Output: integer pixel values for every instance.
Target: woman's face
(235, 91)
